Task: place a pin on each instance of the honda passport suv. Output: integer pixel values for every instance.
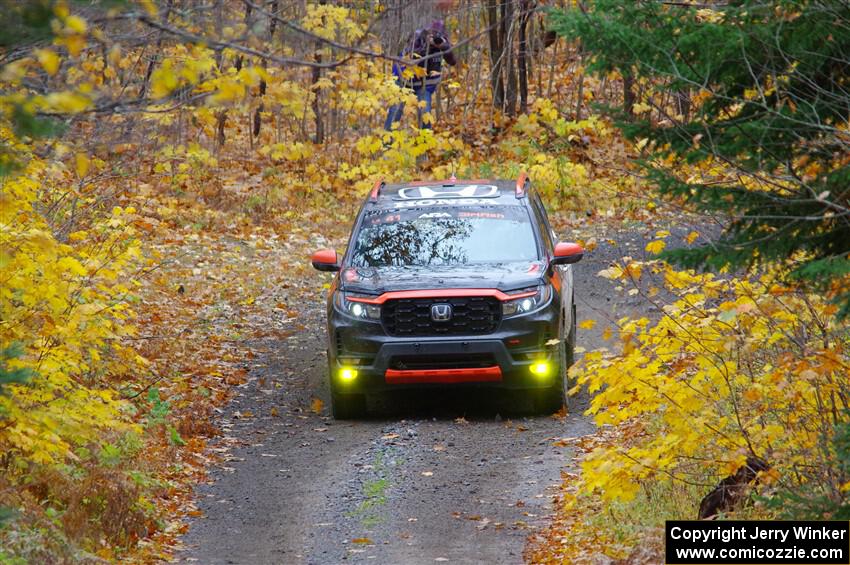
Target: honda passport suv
(449, 284)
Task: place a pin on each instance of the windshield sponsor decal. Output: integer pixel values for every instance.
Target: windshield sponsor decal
(491, 215)
(453, 212)
(441, 202)
(388, 219)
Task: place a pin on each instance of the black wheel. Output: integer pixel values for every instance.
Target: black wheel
(347, 406)
(571, 400)
(549, 400)
(552, 399)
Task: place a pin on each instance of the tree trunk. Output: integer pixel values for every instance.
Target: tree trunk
(508, 54)
(628, 94)
(221, 116)
(549, 38)
(155, 58)
(221, 121)
(257, 113)
(580, 97)
(732, 491)
(496, 55)
(522, 55)
(273, 7)
(683, 104)
(317, 98)
(316, 75)
(580, 94)
(261, 107)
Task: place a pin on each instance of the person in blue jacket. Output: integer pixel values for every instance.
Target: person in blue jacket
(432, 46)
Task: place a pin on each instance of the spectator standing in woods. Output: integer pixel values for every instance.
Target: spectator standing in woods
(431, 45)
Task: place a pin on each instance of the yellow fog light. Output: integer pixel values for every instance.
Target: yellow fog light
(347, 374)
(540, 369)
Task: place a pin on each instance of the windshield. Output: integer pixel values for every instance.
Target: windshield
(455, 235)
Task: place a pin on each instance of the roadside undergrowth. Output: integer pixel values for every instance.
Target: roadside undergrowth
(734, 369)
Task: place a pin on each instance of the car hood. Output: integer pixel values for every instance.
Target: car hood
(503, 276)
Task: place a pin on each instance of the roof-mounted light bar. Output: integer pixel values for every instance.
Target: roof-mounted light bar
(376, 190)
(523, 183)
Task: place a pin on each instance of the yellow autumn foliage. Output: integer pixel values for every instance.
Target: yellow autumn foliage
(332, 22)
(68, 304)
(733, 368)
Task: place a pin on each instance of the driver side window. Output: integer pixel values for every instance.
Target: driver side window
(540, 213)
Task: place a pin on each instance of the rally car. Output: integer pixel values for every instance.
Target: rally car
(450, 284)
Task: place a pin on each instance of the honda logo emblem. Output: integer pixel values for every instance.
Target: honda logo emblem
(441, 312)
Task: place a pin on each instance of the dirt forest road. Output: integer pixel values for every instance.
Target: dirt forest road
(432, 477)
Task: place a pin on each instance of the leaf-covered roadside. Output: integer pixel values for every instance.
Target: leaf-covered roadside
(733, 401)
(732, 369)
(216, 291)
(116, 461)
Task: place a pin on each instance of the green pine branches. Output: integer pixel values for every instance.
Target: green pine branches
(760, 90)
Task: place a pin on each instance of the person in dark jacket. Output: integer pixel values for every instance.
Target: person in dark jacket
(431, 46)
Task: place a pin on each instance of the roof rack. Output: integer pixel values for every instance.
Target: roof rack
(523, 183)
(376, 190)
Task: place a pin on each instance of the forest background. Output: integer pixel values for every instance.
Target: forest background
(135, 136)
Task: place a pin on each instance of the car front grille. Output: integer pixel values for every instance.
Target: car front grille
(472, 315)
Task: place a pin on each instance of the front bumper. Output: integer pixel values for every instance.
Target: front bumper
(502, 359)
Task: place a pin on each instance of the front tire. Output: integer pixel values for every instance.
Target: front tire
(570, 400)
(551, 399)
(347, 406)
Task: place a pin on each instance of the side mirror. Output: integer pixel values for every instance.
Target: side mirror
(567, 253)
(325, 260)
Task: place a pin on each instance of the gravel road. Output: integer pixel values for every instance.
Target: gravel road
(442, 476)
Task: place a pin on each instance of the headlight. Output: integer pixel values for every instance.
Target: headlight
(527, 303)
(357, 309)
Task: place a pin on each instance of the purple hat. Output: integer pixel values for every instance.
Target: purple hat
(438, 26)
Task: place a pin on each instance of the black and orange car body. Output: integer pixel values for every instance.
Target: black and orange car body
(450, 284)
